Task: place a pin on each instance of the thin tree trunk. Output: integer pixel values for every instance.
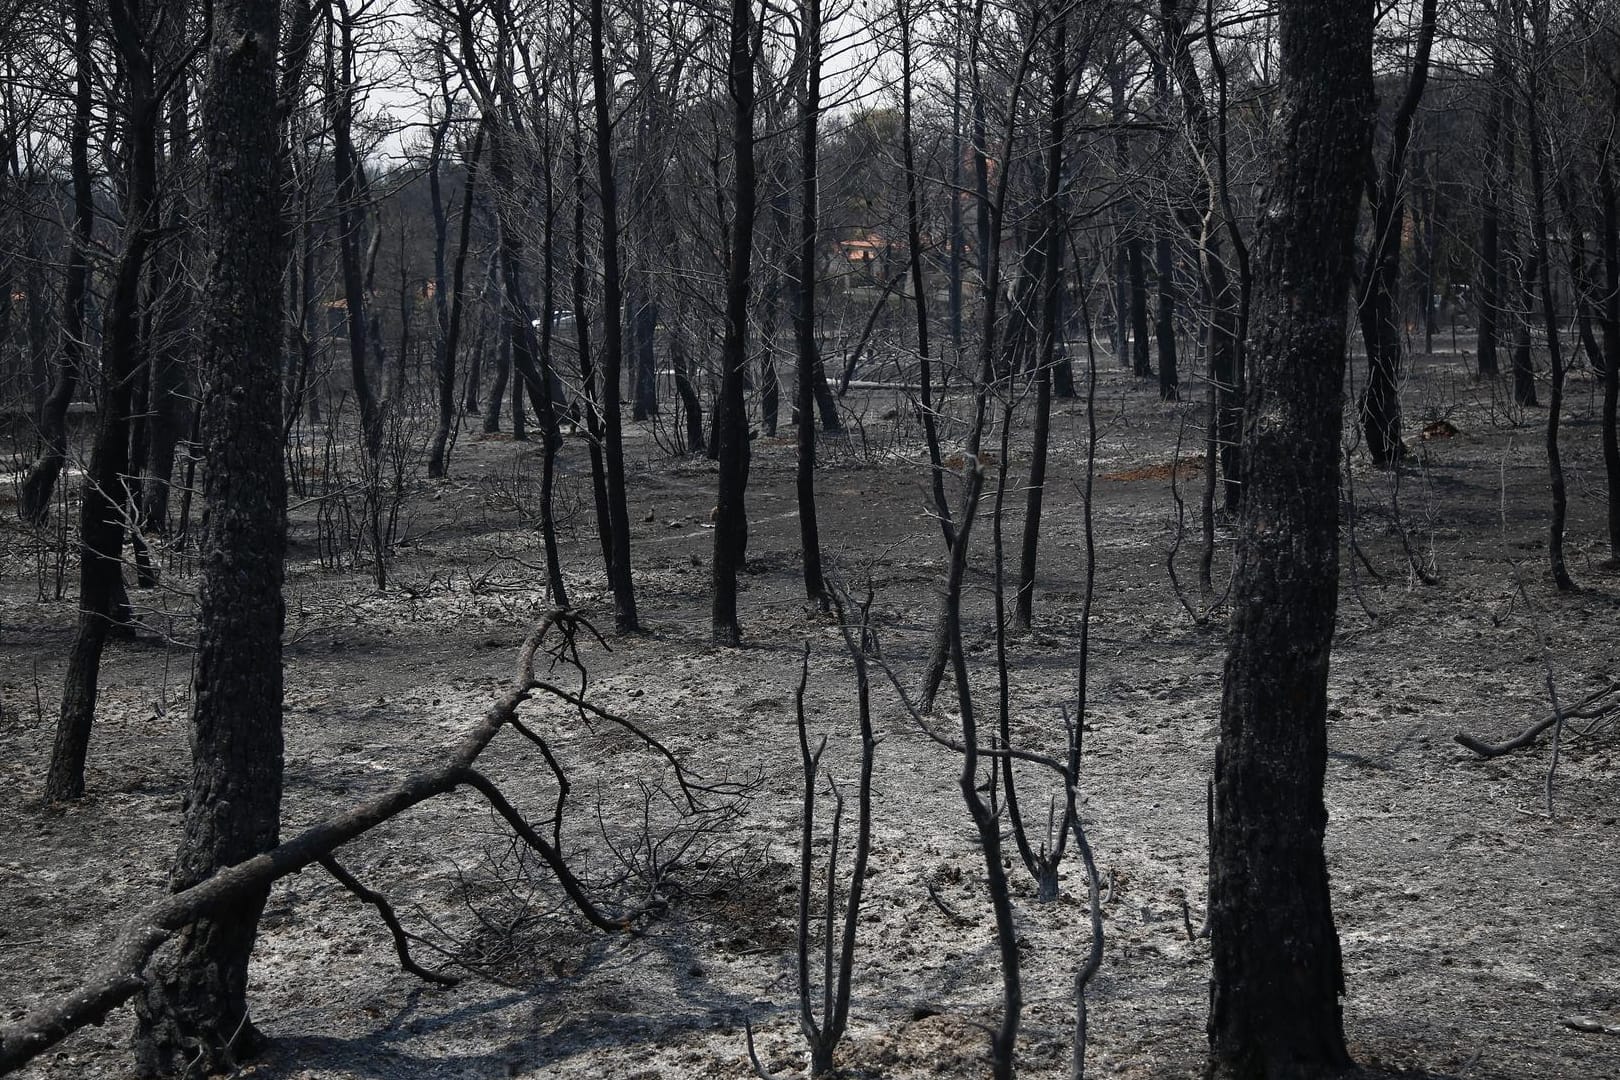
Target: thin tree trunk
(1380, 302)
(804, 309)
(925, 377)
(1610, 241)
(351, 216)
(449, 337)
(619, 576)
(1549, 309)
(587, 366)
(104, 504)
(1051, 265)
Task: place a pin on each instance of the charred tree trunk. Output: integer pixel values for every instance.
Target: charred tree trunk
(449, 337)
(104, 505)
(731, 421)
(1494, 181)
(1051, 244)
(1274, 996)
(804, 309)
(1549, 308)
(351, 222)
(192, 1011)
(925, 376)
(1610, 320)
(1380, 306)
(167, 403)
(619, 578)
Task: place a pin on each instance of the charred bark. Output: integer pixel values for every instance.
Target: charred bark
(1274, 997)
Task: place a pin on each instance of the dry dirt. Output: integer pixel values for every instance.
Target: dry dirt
(1472, 923)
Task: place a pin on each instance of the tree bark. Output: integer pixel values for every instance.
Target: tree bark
(191, 1014)
(1274, 995)
(731, 422)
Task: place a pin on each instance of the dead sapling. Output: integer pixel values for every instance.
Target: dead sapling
(837, 950)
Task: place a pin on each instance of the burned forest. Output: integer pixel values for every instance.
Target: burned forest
(803, 538)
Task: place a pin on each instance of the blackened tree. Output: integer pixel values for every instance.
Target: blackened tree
(1278, 975)
(192, 1011)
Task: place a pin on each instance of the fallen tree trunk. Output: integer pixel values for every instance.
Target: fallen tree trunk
(119, 977)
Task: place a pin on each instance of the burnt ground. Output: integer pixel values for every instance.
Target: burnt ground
(1472, 923)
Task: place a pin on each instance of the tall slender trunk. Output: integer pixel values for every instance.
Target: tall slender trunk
(1610, 319)
(1051, 264)
(1488, 266)
(104, 504)
(450, 334)
(1549, 308)
(587, 367)
(1380, 302)
(731, 421)
(352, 211)
(804, 308)
(619, 576)
(925, 377)
(167, 408)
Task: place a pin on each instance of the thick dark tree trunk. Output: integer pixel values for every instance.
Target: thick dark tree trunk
(619, 577)
(34, 500)
(1274, 996)
(495, 402)
(1380, 306)
(731, 420)
(191, 1015)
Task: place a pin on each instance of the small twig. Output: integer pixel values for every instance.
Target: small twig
(950, 912)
